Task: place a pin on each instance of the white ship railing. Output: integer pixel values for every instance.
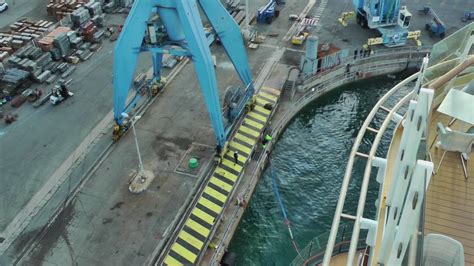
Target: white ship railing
(446, 55)
(370, 157)
(392, 114)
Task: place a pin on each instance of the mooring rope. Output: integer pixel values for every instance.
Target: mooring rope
(283, 210)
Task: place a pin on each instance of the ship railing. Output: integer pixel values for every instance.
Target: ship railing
(312, 92)
(391, 115)
(376, 64)
(313, 253)
(377, 56)
(315, 250)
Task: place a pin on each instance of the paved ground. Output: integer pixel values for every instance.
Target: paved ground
(330, 30)
(450, 11)
(105, 220)
(34, 147)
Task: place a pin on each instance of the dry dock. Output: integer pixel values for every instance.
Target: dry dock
(102, 223)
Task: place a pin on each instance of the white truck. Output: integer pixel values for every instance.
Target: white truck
(3, 6)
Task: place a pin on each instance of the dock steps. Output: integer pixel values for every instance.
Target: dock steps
(190, 242)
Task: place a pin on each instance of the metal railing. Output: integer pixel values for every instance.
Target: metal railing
(315, 91)
(343, 242)
(220, 250)
(339, 79)
(348, 174)
(377, 56)
(254, 176)
(313, 252)
(365, 182)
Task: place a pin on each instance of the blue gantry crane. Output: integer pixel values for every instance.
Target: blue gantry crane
(386, 16)
(179, 31)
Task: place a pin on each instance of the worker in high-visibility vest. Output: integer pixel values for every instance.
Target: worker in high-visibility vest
(267, 138)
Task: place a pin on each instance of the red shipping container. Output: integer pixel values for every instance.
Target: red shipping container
(18, 100)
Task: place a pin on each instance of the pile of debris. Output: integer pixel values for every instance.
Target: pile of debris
(34, 61)
(54, 56)
(61, 8)
(92, 11)
(51, 51)
(45, 52)
(56, 42)
(21, 33)
(14, 76)
(233, 5)
(117, 5)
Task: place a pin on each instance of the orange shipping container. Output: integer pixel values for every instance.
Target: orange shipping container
(46, 44)
(53, 34)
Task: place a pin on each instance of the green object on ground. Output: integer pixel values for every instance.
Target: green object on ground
(268, 138)
(193, 163)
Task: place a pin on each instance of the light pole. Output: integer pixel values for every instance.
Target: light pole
(247, 19)
(133, 121)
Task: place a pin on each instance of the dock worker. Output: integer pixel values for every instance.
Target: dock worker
(63, 91)
(366, 52)
(265, 140)
(241, 201)
(236, 157)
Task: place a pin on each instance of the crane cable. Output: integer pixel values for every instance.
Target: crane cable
(283, 210)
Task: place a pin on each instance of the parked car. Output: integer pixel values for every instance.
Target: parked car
(3, 7)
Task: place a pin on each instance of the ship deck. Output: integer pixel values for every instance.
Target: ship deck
(341, 259)
(449, 208)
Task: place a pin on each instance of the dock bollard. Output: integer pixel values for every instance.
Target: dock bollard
(193, 163)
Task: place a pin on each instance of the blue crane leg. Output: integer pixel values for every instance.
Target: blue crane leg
(170, 19)
(126, 53)
(157, 63)
(201, 56)
(229, 34)
(358, 4)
